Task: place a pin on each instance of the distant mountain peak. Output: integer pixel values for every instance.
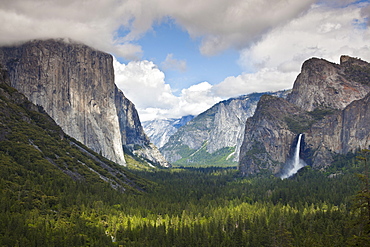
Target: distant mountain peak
(160, 130)
(213, 137)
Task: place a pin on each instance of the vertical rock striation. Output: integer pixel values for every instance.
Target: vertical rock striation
(342, 132)
(267, 137)
(328, 104)
(216, 133)
(75, 85)
(131, 130)
(160, 130)
(322, 83)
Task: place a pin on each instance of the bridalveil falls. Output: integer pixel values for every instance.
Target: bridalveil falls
(296, 162)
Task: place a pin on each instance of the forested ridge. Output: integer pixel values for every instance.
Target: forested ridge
(56, 192)
(190, 207)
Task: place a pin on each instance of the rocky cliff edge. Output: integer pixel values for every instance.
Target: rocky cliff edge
(75, 85)
(329, 104)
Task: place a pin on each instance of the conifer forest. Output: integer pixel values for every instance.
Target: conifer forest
(56, 192)
(186, 207)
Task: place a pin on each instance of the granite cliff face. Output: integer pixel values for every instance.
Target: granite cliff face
(328, 104)
(27, 131)
(322, 83)
(75, 85)
(266, 134)
(133, 136)
(159, 131)
(340, 133)
(214, 136)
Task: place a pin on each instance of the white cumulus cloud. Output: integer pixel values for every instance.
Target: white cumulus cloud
(144, 84)
(277, 58)
(264, 80)
(197, 99)
(274, 38)
(92, 22)
(322, 32)
(220, 24)
(224, 24)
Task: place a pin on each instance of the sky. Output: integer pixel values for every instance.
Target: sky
(179, 57)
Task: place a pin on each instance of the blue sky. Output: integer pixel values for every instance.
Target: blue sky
(179, 57)
(169, 38)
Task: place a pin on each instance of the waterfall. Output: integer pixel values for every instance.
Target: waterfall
(296, 163)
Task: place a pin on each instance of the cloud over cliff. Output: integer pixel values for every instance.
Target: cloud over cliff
(220, 24)
(273, 38)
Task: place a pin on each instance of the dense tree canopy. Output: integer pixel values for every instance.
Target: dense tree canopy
(183, 207)
(54, 194)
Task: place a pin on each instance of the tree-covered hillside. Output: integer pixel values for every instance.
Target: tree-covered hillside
(56, 192)
(45, 173)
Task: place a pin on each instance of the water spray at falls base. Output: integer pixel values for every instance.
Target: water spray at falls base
(296, 162)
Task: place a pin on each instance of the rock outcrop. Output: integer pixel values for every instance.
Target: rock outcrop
(328, 104)
(159, 131)
(322, 83)
(267, 136)
(131, 130)
(340, 133)
(27, 131)
(214, 135)
(75, 85)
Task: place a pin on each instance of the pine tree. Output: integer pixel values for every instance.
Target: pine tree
(361, 206)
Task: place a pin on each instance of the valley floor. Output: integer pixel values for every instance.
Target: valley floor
(190, 207)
